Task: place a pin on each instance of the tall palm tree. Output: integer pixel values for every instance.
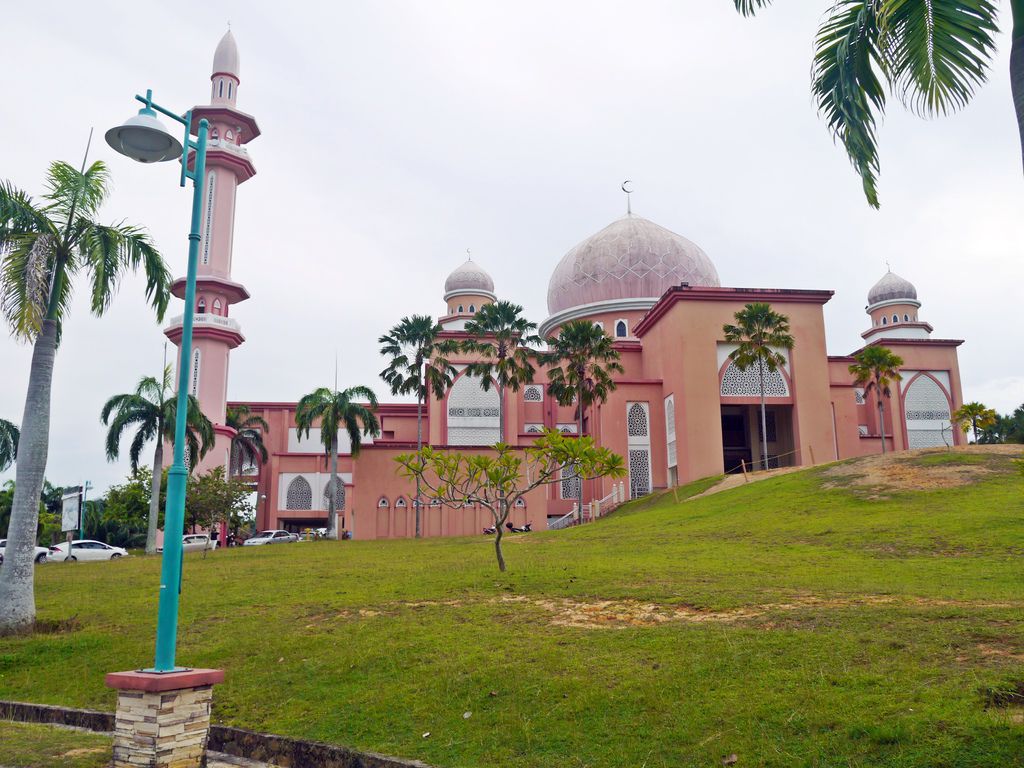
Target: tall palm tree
(582, 359)
(759, 332)
(151, 410)
(43, 247)
(932, 54)
(875, 369)
(333, 409)
(505, 341)
(418, 363)
(247, 447)
(8, 443)
(973, 416)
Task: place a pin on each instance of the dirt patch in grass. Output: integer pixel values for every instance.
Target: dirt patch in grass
(923, 470)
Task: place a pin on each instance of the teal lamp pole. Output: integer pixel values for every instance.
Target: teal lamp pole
(144, 138)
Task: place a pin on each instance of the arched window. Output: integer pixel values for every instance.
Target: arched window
(220, 92)
(201, 306)
(228, 136)
(520, 503)
(229, 92)
(906, 318)
(620, 329)
(533, 393)
(599, 324)
(214, 134)
(738, 382)
(472, 309)
(339, 494)
(636, 420)
(383, 503)
(472, 413)
(400, 503)
(895, 318)
(299, 494)
(460, 309)
(884, 321)
(216, 306)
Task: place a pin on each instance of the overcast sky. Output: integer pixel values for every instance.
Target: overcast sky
(396, 135)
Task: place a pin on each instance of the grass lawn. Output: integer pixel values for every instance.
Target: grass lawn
(43, 746)
(865, 614)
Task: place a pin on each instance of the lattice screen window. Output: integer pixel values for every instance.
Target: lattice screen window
(520, 503)
(533, 393)
(299, 494)
(639, 472)
(636, 421)
(746, 383)
(400, 503)
(534, 429)
(568, 429)
(472, 413)
(858, 396)
(383, 503)
(196, 356)
(927, 414)
(570, 485)
(208, 225)
(338, 486)
(670, 430)
(862, 429)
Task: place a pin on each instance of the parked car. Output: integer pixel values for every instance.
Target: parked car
(41, 553)
(270, 537)
(86, 549)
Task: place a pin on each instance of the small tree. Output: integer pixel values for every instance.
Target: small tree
(875, 370)
(974, 416)
(497, 481)
(759, 332)
(213, 498)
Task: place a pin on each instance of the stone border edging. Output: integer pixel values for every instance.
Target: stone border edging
(238, 742)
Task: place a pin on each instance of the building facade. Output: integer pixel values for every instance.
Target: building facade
(682, 409)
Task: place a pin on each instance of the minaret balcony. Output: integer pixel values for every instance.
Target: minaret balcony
(207, 326)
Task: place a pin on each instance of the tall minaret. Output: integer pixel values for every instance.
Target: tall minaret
(215, 333)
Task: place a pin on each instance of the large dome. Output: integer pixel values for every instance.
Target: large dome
(891, 288)
(469, 278)
(631, 258)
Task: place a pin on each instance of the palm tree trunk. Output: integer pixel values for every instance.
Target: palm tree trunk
(975, 427)
(419, 447)
(579, 436)
(881, 421)
(17, 598)
(764, 418)
(154, 492)
(1017, 65)
(332, 512)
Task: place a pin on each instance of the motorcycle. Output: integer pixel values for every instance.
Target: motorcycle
(525, 529)
(490, 531)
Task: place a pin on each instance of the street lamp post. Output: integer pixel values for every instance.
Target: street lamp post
(144, 138)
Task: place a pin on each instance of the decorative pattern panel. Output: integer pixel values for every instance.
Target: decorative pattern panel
(927, 414)
(534, 429)
(211, 187)
(533, 393)
(195, 372)
(570, 485)
(472, 413)
(639, 472)
(568, 428)
(670, 430)
(858, 396)
(300, 494)
(636, 421)
(339, 494)
(747, 383)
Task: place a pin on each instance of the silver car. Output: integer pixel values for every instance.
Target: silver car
(270, 537)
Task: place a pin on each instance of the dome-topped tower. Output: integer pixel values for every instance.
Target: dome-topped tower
(468, 288)
(225, 75)
(628, 265)
(892, 306)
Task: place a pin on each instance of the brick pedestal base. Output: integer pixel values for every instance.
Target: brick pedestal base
(162, 720)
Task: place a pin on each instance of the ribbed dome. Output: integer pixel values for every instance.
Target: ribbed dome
(891, 287)
(631, 258)
(469, 277)
(226, 58)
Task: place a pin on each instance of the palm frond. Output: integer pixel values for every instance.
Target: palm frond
(68, 188)
(110, 251)
(25, 276)
(750, 7)
(9, 437)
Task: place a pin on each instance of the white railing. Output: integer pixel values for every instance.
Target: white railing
(593, 510)
(207, 319)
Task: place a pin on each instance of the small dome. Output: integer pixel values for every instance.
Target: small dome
(469, 277)
(225, 60)
(891, 287)
(631, 258)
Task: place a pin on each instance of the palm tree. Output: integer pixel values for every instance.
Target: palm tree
(932, 54)
(247, 446)
(8, 444)
(334, 409)
(974, 416)
(503, 338)
(43, 247)
(759, 332)
(583, 358)
(418, 363)
(151, 409)
(875, 370)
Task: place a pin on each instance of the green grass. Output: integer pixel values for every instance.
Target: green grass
(870, 632)
(42, 746)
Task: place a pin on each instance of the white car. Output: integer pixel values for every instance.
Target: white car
(270, 537)
(85, 550)
(41, 552)
(197, 542)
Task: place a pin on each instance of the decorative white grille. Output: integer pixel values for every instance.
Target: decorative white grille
(862, 429)
(639, 472)
(670, 430)
(570, 485)
(927, 414)
(383, 503)
(533, 393)
(746, 383)
(472, 413)
(195, 372)
(858, 396)
(299, 495)
(534, 428)
(400, 503)
(636, 421)
(339, 494)
(568, 428)
(208, 226)
(520, 503)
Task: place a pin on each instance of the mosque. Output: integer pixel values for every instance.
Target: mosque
(682, 409)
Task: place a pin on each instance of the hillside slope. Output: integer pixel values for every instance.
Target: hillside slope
(861, 614)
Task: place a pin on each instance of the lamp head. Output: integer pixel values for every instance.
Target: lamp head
(144, 138)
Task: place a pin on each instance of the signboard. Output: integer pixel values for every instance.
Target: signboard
(71, 509)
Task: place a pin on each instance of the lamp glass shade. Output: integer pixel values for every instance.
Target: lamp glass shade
(144, 138)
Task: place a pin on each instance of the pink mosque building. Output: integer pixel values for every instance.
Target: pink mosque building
(682, 409)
